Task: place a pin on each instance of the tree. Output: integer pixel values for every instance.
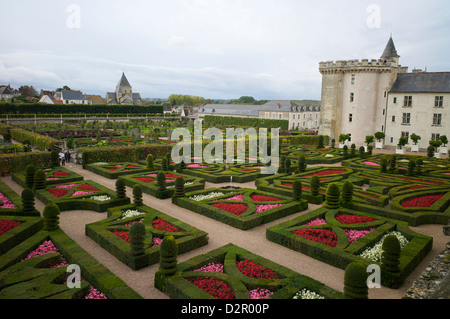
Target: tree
(369, 140)
(246, 100)
(379, 136)
(64, 88)
(435, 144)
(402, 141)
(415, 138)
(443, 139)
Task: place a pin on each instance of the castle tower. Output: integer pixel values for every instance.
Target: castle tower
(354, 95)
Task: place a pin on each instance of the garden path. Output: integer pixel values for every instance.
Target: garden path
(73, 224)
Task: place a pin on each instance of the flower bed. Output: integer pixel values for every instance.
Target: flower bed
(38, 269)
(7, 225)
(231, 272)
(243, 208)
(86, 195)
(11, 203)
(112, 234)
(114, 170)
(218, 173)
(149, 183)
(321, 234)
(57, 175)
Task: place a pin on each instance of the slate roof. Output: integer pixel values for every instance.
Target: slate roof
(229, 109)
(72, 95)
(390, 50)
(426, 82)
(123, 82)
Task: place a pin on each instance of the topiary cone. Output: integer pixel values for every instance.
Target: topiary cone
(51, 217)
(355, 281)
(121, 188)
(137, 195)
(29, 176)
(39, 179)
(179, 187)
(161, 181)
(150, 164)
(137, 236)
(315, 185)
(168, 256)
(332, 196)
(28, 200)
(390, 258)
(297, 189)
(347, 192)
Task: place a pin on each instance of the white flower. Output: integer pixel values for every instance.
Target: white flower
(100, 198)
(374, 253)
(307, 294)
(130, 213)
(206, 196)
(100, 163)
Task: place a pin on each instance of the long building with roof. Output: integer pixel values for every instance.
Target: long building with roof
(302, 115)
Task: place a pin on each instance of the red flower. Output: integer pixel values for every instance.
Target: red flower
(215, 287)
(236, 209)
(370, 195)
(353, 219)
(422, 201)
(87, 187)
(323, 236)
(262, 198)
(61, 173)
(146, 179)
(326, 172)
(161, 224)
(58, 192)
(122, 234)
(252, 269)
(7, 225)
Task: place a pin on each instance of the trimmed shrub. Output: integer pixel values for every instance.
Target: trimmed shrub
(165, 164)
(301, 164)
(149, 161)
(355, 281)
(168, 256)
(347, 193)
(51, 217)
(161, 180)
(419, 165)
(332, 197)
(39, 179)
(315, 185)
(345, 151)
(287, 166)
(137, 195)
(390, 259)
(120, 188)
(179, 187)
(320, 142)
(392, 162)
(362, 152)
(54, 158)
(411, 167)
(137, 236)
(28, 200)
(29, 176)
(430, 151)
(297, 187)
(383, 164)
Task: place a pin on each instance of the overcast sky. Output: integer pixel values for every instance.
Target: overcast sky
(218, 49)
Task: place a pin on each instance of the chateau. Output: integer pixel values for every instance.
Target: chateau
(360, 98)
(123, 94)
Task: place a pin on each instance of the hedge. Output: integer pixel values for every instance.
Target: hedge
(40, 281)
(54, 176)
(345, 253)
(151, 187)
(121, 154)
(188, 238)
(177, 286)
(114, 170)
(83, 201)
(16, 200)
(246, 122)
(42, 142)
(250, 218)
(10, 163)
(218, 173)
(38, 108)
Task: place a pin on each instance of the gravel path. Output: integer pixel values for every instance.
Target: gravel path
(73, 223)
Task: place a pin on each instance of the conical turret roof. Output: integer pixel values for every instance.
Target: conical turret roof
(390, 51)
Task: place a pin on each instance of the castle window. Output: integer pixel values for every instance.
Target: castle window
(352, 97)
(435, 136)
(406, 119)
(407, 101)
(350, 117)
(438, 101)
(406, 134)
(437, 119)
(353, 78)
(395, 100)
(393, 118)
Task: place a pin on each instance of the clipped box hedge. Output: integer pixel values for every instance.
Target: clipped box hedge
(250, 218)
(188, 238)
(28, 227)
(33, 279)
(11, 163)
(345, 252)
(81, 202)
(12, 204)
(114, 170)
(218, 173)
(54, 176)
(149, 184)
(177, 286)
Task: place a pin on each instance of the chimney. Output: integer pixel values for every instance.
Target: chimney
(278, 105)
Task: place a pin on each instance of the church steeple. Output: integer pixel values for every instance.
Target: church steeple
(123, 86)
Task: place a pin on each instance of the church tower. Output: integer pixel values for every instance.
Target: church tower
(123, 87)
(354, 95)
